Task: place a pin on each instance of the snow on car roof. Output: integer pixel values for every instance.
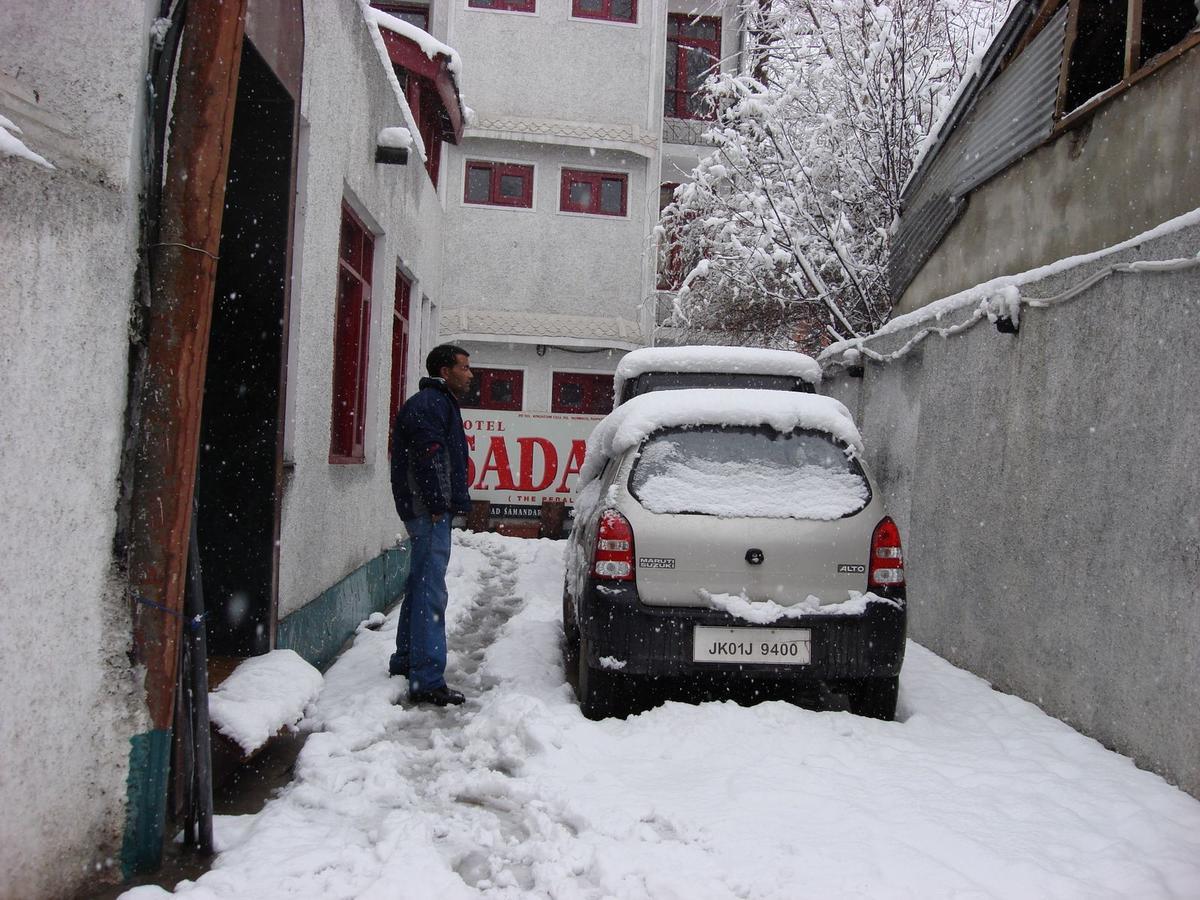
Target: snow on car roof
(752, 360)
(631, 422)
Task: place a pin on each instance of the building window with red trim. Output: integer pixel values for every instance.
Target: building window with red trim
(400, 332)
(598, 193)
(693, 52)
(506, 5)
(608, 10)
(498, 184)
(496, 389)
(352, 341)
(582, 393)
(412, 13)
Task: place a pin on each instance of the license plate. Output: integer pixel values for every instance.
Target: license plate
(762, 646)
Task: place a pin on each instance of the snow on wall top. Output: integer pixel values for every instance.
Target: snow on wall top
(1003, 294)
(750, 360)
(631, 422)
(264, 694)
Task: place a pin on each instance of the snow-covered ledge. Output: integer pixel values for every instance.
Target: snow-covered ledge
(264, 695)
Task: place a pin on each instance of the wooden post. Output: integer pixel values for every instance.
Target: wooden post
(183, 272)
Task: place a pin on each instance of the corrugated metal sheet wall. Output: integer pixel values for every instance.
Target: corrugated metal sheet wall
(1014, 114)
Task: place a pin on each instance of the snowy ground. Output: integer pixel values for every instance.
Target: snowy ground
(972, 794)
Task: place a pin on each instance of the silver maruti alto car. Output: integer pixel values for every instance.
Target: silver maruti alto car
(732, 536)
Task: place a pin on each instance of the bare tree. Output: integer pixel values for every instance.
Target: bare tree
(785, 225)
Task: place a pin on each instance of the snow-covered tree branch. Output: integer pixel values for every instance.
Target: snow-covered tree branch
(782, 232)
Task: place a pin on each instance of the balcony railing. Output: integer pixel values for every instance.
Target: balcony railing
(684, 131)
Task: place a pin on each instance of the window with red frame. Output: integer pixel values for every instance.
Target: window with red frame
(498, 184)
(352, 340)
(584, 394)
(693, 51)
(599, 193)
(400, 331)
(412, 13)
(495, 389)
(510, 5)
(610, 10)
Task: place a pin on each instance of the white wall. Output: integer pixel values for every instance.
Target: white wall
(547, 65)
(337, 517)
(541, 259)
(71, 77)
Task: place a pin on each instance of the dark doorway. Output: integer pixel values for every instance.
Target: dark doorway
(239, 430)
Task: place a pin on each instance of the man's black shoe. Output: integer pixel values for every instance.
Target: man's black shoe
(439, 696)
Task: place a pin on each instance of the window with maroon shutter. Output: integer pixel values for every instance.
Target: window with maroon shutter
(693, 51)
(495, 389)
(352, 341)
(582, 393)
(399, 350)
(610, 10)
(509, 5)
(498, 184)
(598, 193)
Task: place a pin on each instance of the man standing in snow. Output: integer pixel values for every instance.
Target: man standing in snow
(429, 484)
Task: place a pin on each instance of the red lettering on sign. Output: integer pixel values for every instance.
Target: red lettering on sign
(574, 465)
(497, 461)
(549, 467)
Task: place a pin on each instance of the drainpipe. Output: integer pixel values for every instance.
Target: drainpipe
(183, 265)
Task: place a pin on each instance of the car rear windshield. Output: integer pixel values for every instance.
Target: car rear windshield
(673, 381)
(748, 472)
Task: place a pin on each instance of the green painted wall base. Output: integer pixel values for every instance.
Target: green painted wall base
(318, 630)
(149, 767)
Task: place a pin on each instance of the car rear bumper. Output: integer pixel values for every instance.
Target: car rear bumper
(654, 640)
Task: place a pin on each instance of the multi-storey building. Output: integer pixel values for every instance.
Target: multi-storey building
(583, 111)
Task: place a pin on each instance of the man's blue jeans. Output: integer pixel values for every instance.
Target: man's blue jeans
(421, 634)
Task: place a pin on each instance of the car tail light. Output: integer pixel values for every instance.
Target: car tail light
(614, 548)
(887, 559)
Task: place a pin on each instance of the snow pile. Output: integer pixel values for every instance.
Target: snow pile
(742, 360)
(263, 695)
(11, 145)
(632, 422)
(396, 136)
(764, 612)
(669, 479)
(972, 793)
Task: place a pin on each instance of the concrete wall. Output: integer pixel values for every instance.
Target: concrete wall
(68, 700)
(1045, 484)
(547, 65)
(543, 259)
(1133, 164)
(337, 517)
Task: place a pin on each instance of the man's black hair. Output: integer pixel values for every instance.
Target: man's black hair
(443, 356)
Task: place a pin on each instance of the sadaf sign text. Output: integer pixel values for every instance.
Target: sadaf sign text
(520, 459)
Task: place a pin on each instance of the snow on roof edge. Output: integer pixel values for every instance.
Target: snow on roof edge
(637, 418)
(973, 77)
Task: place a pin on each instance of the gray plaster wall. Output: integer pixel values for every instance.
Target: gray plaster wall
(69, 701)
(542, 259)
(1133, 164)
(337, 517)
(1045, 484)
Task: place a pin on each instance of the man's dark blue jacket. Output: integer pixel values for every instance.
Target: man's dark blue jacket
(429, 454)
